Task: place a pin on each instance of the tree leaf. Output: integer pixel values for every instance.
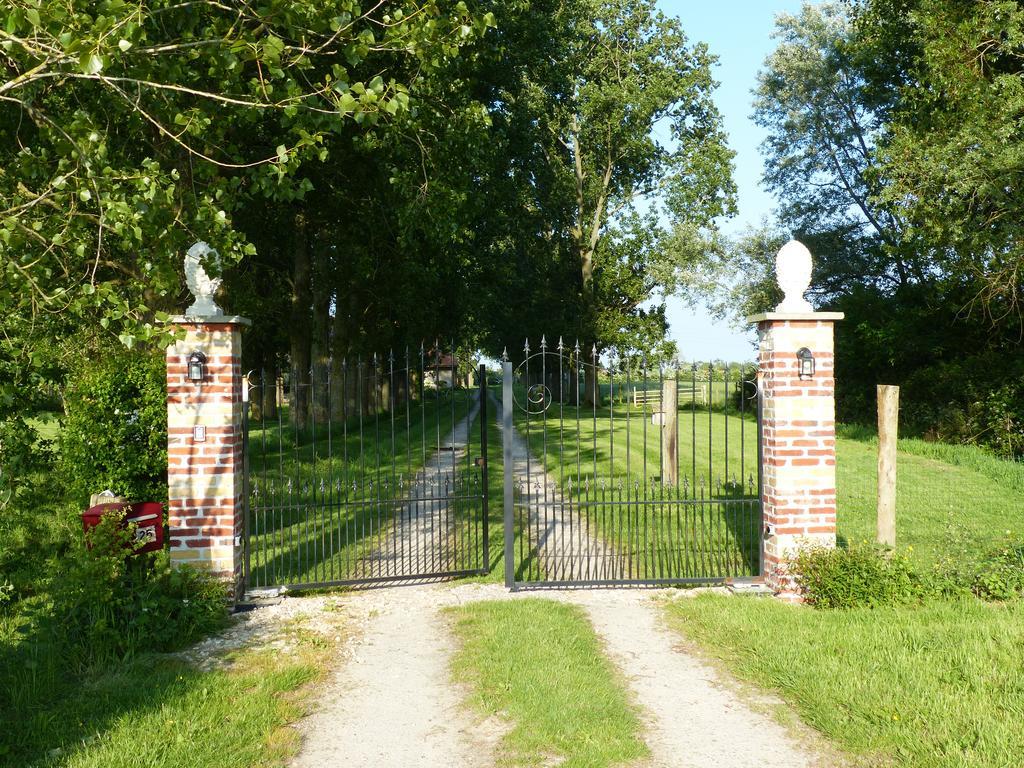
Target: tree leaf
(90, 63)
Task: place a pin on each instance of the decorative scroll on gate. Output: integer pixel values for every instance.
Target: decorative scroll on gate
(372, 471)
(627, 469)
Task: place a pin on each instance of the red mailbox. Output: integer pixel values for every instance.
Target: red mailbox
(148, 517)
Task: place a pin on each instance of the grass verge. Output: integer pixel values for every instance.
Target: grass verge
(161, 712)
(938, 686)
(538, 664)
(951, 500)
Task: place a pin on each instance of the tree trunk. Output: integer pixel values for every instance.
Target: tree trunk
(339, 372)
(268, 394)
(299, 332)
(321, 354)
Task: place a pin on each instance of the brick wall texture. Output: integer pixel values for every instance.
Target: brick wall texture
(205, 478)
(799, 444)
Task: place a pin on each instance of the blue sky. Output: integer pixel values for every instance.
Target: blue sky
(739, 33)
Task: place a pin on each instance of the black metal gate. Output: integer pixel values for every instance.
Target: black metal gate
(626, 469)
(363, 471)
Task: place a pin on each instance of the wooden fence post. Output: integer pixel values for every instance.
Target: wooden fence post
(669, 435)
(888, 419)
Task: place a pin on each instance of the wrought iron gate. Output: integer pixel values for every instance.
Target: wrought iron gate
(366, 471)
(622, 469)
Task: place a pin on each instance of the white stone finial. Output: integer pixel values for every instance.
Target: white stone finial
(793, 273)
(202, 286)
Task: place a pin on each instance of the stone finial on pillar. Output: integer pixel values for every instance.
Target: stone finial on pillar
(205, 472)
(798, 492)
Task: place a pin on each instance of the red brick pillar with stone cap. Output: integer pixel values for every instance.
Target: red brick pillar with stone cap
(798, 489)
(205, 472)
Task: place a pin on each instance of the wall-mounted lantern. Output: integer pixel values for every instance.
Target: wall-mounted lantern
(196, 367)
(805, 361)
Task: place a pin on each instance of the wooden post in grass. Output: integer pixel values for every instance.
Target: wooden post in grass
(669, 434)
(888, 418)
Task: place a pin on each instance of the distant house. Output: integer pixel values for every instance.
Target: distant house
(441, 371)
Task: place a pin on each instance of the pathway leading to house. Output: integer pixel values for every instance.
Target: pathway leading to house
(391, 701)
(565, 542)
(424, 534)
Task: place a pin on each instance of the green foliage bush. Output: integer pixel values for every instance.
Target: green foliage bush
(858, 576)
(1000, 576)
(110, 604)
(115, 434)
(31, 526)
(866, 576)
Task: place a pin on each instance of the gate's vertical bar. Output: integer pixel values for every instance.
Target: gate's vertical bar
(485, 566)
(561, 461)
(760, 476)
(597, 390)
(642, 497)
(263, 465)
(243, 582)
(377, 502)
(629, 384)
(435, 503)
(533, 556)
(279, 495)
(315, 575)
(550, 528)
(422, 483)
(295, 493)
(330, 465)
(359, 504)
(396, 525)
(345, 498)
(693, 428)
(452, 507)
(506, 452)
(743, 475)
(471, 544)
(407, 504)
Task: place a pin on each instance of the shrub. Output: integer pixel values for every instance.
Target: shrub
(855, 577)
(1000, 576)
(115, 434)
(31, 525)
(111, 604)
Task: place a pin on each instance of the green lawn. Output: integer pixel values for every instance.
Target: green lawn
(46, 425)
(952, 501)
(325, 503)
(161, 712)
(538, 665)
(938, 686)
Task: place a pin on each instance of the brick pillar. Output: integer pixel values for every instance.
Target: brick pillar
(798, 439)
(205, 477)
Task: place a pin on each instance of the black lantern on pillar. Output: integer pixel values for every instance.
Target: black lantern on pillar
(196, 367)
(805, 361)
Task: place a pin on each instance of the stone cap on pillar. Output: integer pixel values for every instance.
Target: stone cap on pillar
(209, 320)
(793, 266)
(761, 317)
